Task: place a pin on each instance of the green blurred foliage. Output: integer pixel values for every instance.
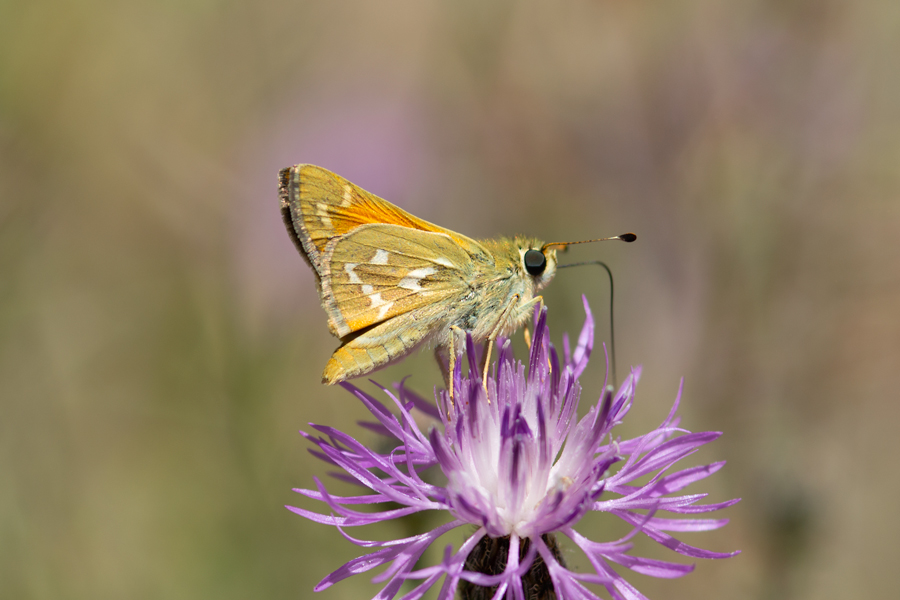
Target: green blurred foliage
(161, 341)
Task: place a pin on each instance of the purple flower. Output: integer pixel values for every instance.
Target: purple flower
(521, 467)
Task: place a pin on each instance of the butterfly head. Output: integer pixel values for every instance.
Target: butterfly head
(537, 261)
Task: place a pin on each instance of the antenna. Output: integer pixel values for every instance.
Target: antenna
(625, 237)
(612, 331)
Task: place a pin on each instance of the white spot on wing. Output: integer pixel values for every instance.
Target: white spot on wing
(423, 272)
(368, 290)
(412, 279)
(322, 213)
(381, 257)
(354, 278)
(384, 309)
(348, 195)
(443, 261)
(376, 301)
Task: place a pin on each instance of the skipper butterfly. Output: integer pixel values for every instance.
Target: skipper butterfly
(390, 282)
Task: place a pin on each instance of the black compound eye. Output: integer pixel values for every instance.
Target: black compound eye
(535, 262)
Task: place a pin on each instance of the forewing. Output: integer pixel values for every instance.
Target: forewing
(320, 206)
(378, 272)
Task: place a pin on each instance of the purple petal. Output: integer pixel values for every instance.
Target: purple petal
(321, 456)
(585, 342)
(678, 481)
(654, 568)
(537, 344)
(669, 453)
(423, 587)
(564, 581)
(408, 395)
(447, 459)
(358, 565)
(411, 434)
(555, 370)
(355, 520)
(671, 416)
(376, 428)
(472, 356)
(688, 524)
(703, 508)
(369, 499)
(371, 403)
(345, 478)
(670, 542)
(433, 534)
(639, 501)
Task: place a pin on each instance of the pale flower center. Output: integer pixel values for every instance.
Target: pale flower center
(488, 481)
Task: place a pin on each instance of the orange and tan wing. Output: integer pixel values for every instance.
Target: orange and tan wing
(319, 206)
(377, 272)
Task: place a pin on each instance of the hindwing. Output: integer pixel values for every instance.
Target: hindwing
(378, 271)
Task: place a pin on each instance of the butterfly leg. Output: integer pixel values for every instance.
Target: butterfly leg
(443, 359)
(446, 356)
(487, 362)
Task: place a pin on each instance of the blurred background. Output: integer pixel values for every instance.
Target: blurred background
(161, 342)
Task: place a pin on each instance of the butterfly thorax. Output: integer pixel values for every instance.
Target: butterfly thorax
(497, 282)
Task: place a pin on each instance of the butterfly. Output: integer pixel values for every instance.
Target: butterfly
(390, 282)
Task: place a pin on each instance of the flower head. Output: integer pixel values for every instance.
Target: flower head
(521, 467)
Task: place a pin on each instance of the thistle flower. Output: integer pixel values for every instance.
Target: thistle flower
(520, 467)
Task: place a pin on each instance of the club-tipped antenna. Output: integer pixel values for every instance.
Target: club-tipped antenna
(612, 331)
(625, 237)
